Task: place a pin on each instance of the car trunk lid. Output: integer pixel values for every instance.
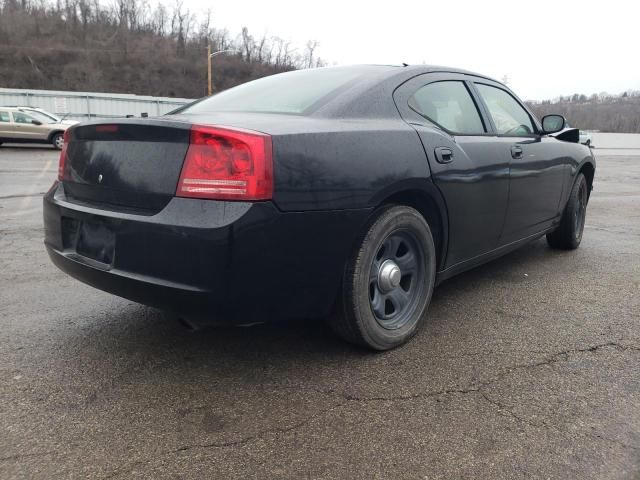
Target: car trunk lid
(126, 164)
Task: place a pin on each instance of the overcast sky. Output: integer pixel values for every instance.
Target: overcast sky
(545, 48)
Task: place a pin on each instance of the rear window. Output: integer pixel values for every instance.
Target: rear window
(290, 92)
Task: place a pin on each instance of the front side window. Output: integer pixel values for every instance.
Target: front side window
(4, 117)
(449, 105)
(507, 114)
(20, 117)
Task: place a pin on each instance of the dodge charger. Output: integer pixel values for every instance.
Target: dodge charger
(343, 193)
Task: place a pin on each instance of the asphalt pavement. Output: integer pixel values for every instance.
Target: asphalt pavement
(528, 367)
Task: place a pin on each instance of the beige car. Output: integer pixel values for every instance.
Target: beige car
(29, 126)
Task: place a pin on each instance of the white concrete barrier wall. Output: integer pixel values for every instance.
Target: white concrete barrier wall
(89, 105)
(616, 140)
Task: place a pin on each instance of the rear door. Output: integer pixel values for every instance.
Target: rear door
(537, 167)
(466, 164)
(6, 129)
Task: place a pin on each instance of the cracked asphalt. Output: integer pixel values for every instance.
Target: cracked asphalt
(528, 367)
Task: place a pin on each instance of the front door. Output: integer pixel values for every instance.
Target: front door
(536, 171)
(25, 129)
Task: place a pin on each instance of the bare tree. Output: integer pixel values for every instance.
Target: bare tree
(247, 44)
(122, 45)
(260, 48)
(308, 56)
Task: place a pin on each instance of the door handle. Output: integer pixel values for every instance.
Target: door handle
(516, 151)
(444, 155)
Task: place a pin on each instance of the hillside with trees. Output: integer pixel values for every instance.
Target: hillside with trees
(129, 46)
(603, 112)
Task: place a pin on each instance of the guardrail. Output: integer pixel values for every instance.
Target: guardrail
(87, 105)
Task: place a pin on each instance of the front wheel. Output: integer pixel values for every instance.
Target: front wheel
(388, 281)
(568, 235)
(58, 141)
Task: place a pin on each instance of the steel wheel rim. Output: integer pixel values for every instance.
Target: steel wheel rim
(59, 141)
(581, 209)
(393, 302)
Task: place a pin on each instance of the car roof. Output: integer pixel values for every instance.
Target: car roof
(17, 109)
(413, 70)
(379, 82)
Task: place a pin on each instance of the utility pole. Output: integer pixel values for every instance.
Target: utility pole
(209, 66)
(210, 87)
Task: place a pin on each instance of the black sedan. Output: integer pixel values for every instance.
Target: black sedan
(345, 193)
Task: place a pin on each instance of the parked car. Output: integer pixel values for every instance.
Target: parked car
(52, 116)
(18, 125)
(346, 193)
(585, 137)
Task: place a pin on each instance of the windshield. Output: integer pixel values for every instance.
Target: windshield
(40, 116)
(291, 92)
(50, 115)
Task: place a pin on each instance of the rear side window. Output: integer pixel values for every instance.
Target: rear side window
(291, 92)
(449, 105)
(507, 114)
(4, 117)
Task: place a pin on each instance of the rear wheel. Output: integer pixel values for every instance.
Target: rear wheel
(568, 235)
(388, 281)
(58, 141)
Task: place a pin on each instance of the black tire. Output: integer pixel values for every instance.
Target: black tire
(568, 235)
(57, 141)
(366, 313)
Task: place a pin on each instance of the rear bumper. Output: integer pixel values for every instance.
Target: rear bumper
(233, 261)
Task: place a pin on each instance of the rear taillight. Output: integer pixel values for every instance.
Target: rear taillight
(226, 164)
(63, 154)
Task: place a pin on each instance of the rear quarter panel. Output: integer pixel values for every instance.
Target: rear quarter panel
(349, 164)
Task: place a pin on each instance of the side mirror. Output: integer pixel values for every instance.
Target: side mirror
(553, 123)
(36, 122)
